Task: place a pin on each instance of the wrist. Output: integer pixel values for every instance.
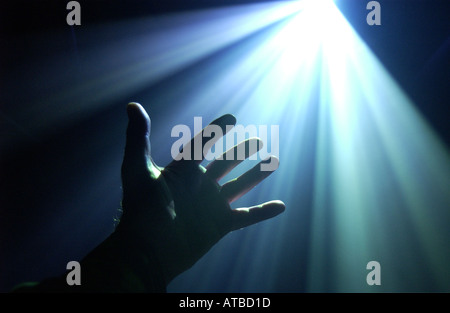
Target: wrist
(122, 264)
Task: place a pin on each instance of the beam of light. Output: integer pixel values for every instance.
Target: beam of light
(383, 173)
(121, 58)
(363, 176)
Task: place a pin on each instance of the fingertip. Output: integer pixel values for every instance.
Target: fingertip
(281, 206)
(228, 119)
(132, 103)
(270, 164)
(278, 202)
(131, 106)
(244, 217)
(231, 118)
(138, 116)
(226, 122)
(277, 206)
(275, 159)
(135, 110)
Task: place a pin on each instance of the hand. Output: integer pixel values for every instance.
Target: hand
(181, 211)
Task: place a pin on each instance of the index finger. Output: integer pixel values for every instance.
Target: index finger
(195, 147)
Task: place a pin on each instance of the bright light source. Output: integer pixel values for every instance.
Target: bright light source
(345, 129)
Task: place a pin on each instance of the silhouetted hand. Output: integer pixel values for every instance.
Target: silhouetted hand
(181, 211)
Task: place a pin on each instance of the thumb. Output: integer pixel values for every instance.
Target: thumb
(137, 157)
(137, 147)
(138, 118)
(139, 172)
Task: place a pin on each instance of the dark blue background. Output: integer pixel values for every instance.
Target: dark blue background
(46, 181)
